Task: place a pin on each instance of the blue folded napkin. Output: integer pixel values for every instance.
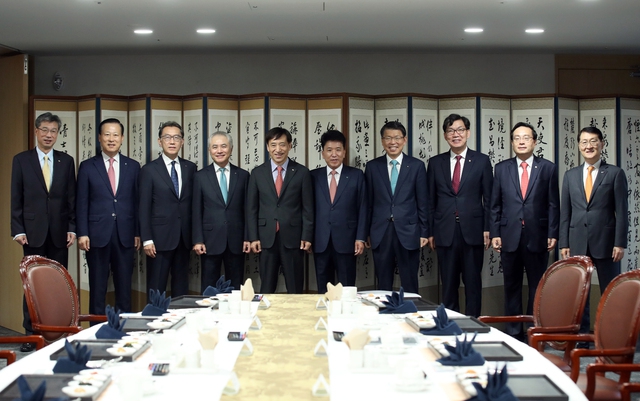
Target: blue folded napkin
(77, 359)
(395, 303)
(444, 326)
(113, 329)
(158, 303)
(38, 395)
(496, 389)
(462, 354)
(222, 287)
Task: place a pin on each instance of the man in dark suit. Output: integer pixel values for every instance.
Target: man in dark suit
(43, 191)
(593, 216)
(459, 183)
(340, 214)
(397, 194)
(107, 217)
(524, 219)
(219, 233)
(166, 185)
(280, 214)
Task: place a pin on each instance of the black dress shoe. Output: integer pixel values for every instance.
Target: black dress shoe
(27, 347)
(583, 345)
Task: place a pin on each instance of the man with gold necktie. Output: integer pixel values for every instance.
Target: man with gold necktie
(43, 191)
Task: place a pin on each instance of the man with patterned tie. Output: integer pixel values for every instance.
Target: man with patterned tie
(593, 216)
(340, 214)
(43, 191)
(166, 186)
(219, 226)
(525, 214)
(107, 217)
(398, 207)
(280, 214)
(459, 183)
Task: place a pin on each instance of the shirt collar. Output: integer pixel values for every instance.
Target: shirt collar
(106, 158)
(218, 167)
(41, 154)
(452, 155)
(167, 160)
(596, 165)
(338, 170)
(529, 161)
(399, 159)
(285, 165)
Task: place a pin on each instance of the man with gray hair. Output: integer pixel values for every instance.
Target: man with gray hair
(219, 227)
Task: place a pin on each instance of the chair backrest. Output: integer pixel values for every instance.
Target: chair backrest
(618, 318)
(562, 292)
(51, 295)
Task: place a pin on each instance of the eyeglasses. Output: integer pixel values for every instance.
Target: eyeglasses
(392, 138)
(459, 131)
(592, 142)
(168, 138)
(47, 130)
(522, 138)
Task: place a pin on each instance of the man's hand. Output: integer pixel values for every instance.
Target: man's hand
(496, 243)
(22, 240)
(551, 243)
(83, 243)
(432, 243)
(71, 238)
(305, 246)
(200, 249)
(255, 247)
(565, 253)
(136, 243)
(359, 248)
(618, 253)
(367, 243)
(246, 247)
(150, 250)
(423, 242)
(487, 241)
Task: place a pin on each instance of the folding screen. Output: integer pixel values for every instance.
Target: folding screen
(601, 113)
(223, 116)
(629, 124)
(539, 112)
(567, 126)
(465, 106)
(163, 109)
(116, 107)
(291, 114)
(323, 114)
(391, 109)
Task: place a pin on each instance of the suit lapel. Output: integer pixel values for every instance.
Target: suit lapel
(292, 168)
(602, 174)
(344, 181)
(37, 170)
(466, 170)
(514, 175)
(445, 164)
(212, 176)
(233, 182)
(183, 176)
(533, 176)
(160, 167)
(100, 166)
(324, 183)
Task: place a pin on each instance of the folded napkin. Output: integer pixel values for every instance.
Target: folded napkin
(158, 303)
(38, 395)
(395, 303)
(462, 354)
(334, 292)
(222, 287)
(208, 339)
(496, 389)
(356, 339)
(113, 329)
(77, 359)
(246, 290)
(444, 326)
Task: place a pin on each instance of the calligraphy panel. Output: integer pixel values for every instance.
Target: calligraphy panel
(630, 162)
(568, 126)
(391, 109)
(464, 106)
(320, 121)
(291, 115)
(539, 112)
(223, 116)
(601, 113)
(161, 112)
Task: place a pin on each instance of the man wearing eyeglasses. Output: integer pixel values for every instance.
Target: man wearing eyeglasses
(524, 219)
(459, 183)
(593, 218)
(166, 186)
(43, 191)
(398, 225)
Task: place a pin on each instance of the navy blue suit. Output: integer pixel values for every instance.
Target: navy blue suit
(338, 225)
(111, 223)
(397, 221)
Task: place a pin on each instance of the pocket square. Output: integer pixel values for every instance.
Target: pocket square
(496, 389)
(158, 303)
(444, 326)
(395, 303)
(114, 329)
(77, 359)
(222, 287)
(462, 354)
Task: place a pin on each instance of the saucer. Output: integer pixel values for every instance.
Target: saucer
(80, 391)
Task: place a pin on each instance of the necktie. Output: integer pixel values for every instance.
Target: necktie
(588, 185)
(524, 179)
(46, 172)
(112, 175)
(394, 176)
(333, 185)
(278, 189)
(174, 178)
(223, 184)
(455, 181)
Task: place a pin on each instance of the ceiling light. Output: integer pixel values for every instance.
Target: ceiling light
(206, 30)
(474, 30)
(143, 31)
(534, 30)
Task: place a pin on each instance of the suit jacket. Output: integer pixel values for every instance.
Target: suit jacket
(293, 209)
(98, 209)
(36, 212)
(471, 202)
(603, 222)
(217, 224)
(408, 205)
(344, 220)
(539, 209)
(164, 215)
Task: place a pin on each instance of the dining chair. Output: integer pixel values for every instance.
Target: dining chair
(615, 334)
(558, 305)
(629, 388)
(52, 298)
(10, 356)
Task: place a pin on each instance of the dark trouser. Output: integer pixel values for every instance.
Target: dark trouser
(607, 270)
(454, 261)
(212, 265)
(174, 262)
(385, 257)
(118, 259)
(292, 264)
(48, 250)
(330, 262)
(514, 264)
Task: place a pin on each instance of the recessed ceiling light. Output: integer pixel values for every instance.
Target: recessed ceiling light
(534, 30)
(143, 31)
(474, 30)
(206, 30)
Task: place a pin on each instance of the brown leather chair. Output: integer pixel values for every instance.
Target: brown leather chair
(615, 334)
(629, 388)
(10, 356)
(559, 302)
(52, 298)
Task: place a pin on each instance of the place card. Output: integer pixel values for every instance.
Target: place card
(320, 387)
(321, 348)
(321, 325)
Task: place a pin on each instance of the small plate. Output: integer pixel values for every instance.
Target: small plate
(90, 378)
(80, 391)
(94, 372)
(121, 351)
(159, 325)
(75, 383)
(206, 302)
